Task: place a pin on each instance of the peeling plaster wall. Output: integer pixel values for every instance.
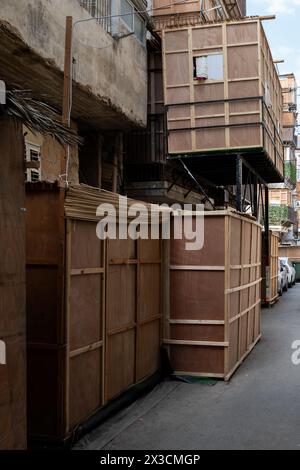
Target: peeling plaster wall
(113, 70)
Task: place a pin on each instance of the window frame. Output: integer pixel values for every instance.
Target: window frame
(210, 80)
(133, 30)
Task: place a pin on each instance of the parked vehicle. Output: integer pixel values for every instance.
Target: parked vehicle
(291, 271)
(282, 278)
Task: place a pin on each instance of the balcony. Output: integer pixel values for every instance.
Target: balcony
(99, 9)
(109, 72)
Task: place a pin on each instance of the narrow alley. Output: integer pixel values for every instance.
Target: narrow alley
(257, 409)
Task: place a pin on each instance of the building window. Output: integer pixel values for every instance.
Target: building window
(34, 176)
(34, 155)
(209, 67)
(127, 12)
(139, 28)
(100, 9)
(33, 163)
(133, 20)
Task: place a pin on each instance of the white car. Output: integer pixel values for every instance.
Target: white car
(282, 278)
(291, 271)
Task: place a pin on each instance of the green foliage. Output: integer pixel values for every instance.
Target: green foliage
(277, 214)
(290, 172)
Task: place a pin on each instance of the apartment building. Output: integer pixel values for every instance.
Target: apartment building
(109, 67)
(283, 216)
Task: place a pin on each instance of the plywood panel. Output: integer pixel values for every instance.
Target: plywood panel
(121, 307)
(180, 142)
(120, 372)
(213, 252)
(209, 92)
(44, 322)
(86, 247)
(245, 136)
(85, 385)
(175, 40)
(243, 89)
(194, 332)
(211, 138)
(197, 295)
(148, 351)
(242, 33)
(242, 62)
(150, 285)
(85, 311)
(43, 227)
(197, 359)
(206, 37)
(177, 69)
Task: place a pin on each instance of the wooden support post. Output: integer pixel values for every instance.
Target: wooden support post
(239, 183)
(255, 198)
(267, 225)
(99, 157)
(121, 163)
(67, 86)
(117, 162)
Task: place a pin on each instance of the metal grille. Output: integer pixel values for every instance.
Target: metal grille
(100, 9)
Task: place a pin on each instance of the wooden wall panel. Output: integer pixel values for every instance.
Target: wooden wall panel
(190, 360)
(85, 395)
(120, 368)
(248, 72)
(148, 349)
(242, 33)
(215, 297)
(85, 306)
(91, 336)
(197, 294)
(12, 288)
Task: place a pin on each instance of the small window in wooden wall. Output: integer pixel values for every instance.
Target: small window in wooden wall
(209, 67)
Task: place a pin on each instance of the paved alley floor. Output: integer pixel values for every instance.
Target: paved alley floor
(258, 409)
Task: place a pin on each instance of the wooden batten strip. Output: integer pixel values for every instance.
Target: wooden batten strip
(149, 319)
(198, 374)
(243, 266)
(196, 322)
(121, 261)
(83, 271)
(197, 268)
(85, 349)
(241, 44)
(246, 286)
(236, 317)
(122, 329)
(216, 344)
(237, 365)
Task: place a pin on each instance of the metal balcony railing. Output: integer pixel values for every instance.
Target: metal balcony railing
(99, 9)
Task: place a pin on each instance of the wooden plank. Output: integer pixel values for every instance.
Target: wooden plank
(196, 322)
(197, 268)
(85, 349)
(80, 272)
(197, 343)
